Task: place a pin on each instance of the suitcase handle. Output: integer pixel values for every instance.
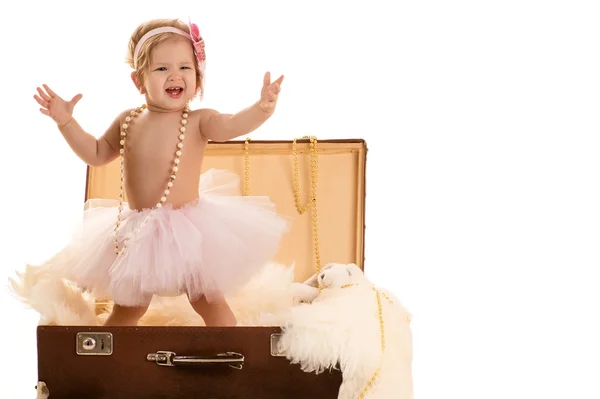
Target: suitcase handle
(165, 358)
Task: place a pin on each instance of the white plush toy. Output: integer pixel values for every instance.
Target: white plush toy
(333, 275)
(342, 325)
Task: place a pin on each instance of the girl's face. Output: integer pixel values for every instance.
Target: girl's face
(171, 79)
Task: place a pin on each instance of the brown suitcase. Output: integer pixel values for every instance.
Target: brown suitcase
(230, 362)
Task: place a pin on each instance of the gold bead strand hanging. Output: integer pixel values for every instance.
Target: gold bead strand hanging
(314, 164)
(375, 375)
(312, 201)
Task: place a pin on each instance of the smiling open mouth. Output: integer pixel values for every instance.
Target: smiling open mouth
(174, 92)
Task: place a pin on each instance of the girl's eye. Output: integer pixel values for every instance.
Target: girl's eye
(161, 69)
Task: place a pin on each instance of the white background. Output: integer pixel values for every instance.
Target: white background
(481, 120)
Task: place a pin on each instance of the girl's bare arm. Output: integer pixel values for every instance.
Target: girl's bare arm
(92, 151)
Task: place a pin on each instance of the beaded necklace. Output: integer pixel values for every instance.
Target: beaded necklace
(134, 113)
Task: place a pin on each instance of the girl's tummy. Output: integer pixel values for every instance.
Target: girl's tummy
(149, 162)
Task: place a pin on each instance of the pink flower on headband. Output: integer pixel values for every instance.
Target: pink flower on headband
(197, 42)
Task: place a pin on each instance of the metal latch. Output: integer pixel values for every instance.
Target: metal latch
(275, 338)
(94, 343)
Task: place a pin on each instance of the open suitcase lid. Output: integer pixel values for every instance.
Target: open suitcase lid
(340, 194)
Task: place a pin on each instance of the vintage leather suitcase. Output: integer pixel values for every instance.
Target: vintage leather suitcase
(231, 362)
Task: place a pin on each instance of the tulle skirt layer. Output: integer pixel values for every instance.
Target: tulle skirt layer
(209, 247)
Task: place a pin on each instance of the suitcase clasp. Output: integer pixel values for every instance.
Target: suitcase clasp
(94, 343)
(275, 352)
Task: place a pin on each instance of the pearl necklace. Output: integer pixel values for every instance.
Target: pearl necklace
(174, 170)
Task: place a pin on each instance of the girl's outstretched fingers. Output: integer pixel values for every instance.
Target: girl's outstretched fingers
(270, 92)
(54, 106)
(50, 92)
(43, 100)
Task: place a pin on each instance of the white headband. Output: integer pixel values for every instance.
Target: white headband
(154, 32)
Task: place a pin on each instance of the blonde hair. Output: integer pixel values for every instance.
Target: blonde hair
(143, 59)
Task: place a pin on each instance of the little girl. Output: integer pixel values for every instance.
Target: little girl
(170, 237)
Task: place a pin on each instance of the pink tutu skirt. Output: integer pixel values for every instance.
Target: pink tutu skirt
(209, 247)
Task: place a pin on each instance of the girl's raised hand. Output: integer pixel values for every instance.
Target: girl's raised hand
(54, 106)
(269, 93)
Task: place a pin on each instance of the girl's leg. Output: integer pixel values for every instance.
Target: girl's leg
(215, 313)
(125, 316)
